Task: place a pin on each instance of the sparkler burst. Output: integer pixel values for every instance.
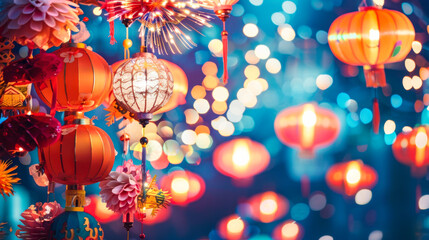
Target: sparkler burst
(164, 23)
(7, 178)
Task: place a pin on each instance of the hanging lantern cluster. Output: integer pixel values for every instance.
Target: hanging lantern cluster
(350, 177)
(307, 127)
(372, 37)
(412, 148)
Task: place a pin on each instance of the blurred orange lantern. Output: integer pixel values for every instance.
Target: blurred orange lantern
(306, 127)
(350, 177)
(180, 88)
(82, 85)
(412, 148)
(232, 228)
(184, 186)
(371, 38)
(288, 230)
(268, 207)
(83, 155)
(241, 158)
(98, 209)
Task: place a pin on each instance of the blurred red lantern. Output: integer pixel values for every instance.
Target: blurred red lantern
(180, 88)
(350, 177)
(288, 230)
(82, 85)
(232, 228)
(307, 127)
(241, 158)
(371, 38)
(412, 148)
(184, 186)
(98, 209)
(83, 155)
(268, 207)
(161, 216)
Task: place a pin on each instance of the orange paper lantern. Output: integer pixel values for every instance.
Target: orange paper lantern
(307, 127)
(241, 158)
(83, 155)
(412, 148)
(371, 38)
(82, 85)
(350, 177)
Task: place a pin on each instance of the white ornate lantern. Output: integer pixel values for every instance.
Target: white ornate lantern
(143, 85)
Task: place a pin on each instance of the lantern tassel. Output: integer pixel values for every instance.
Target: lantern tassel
(225, 54)
(112, 33)
(376, 113)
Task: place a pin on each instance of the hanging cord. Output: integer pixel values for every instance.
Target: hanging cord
(225, 53)
(127, 43)
(143, 141)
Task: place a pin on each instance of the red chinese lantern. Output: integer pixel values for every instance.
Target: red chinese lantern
(350, 177)
(268, 207)
(180, 88)
(232, 228)
(307, 127)
(412, 148)
(288, 230)
(184, 186)
(83, 155)
(82, 85)
(371, 38)
(98, 209)
(241, 158)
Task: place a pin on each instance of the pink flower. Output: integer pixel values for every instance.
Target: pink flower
(119, 191)
(46, 23)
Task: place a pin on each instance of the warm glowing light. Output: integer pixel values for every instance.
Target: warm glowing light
(389, 127)
(374, 35)
(235, 226)
(417, 47)
(290, 230)
(262, 51)
(250, 30)
(241, 155)
(353, 174)
(268, 206)
(410, 64)
(180, 185)
(407, 83)
(421, 139)
(309, 117)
